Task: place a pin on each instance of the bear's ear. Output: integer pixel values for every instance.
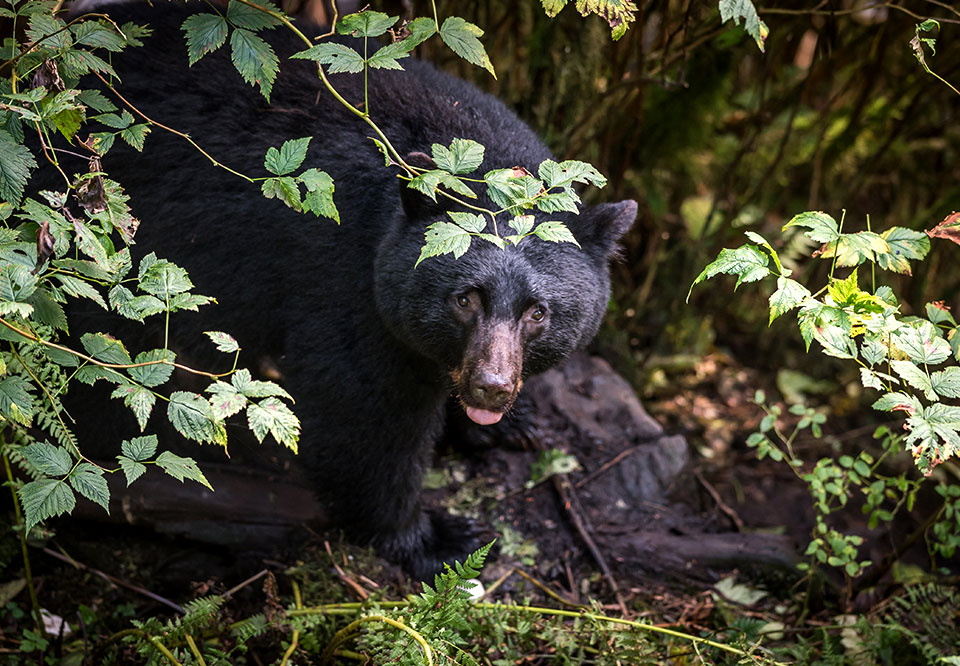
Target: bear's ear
(417, 205)
(598, 228)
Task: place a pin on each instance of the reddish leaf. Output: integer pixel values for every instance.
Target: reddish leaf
(949, 229)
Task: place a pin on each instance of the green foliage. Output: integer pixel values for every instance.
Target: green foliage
(618, 13)
(734, 10)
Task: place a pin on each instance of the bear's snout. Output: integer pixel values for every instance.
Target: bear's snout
(489, 378)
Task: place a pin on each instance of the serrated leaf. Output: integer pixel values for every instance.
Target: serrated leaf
(922, 343)
(44, 499)
(387, 56)
(132, 469)
(225, 400)
(444, 238)
(905, 245)
(96, 100)
(946, 382)
(254, 59)
(17, 283)
(319, 198)
(105, 348)
(522, 224)
(734, 10)
(513, 188)
(156, 374)
(463, 156)
(428, 182)
(821, 227)
(747, 262)
(189, 302)
(89, 482)
(470, 222)
(49, 459)
(182, 468)
(283, 188)
(854, 249)
(915, 377)
(193, 418)
(138, 399)
(90, 245)
(78, 288)
(553, 202)
(873, 350)
(365, 24)
(897, 401)
(98, 34)
(245, 16)
(47, 311)
(871, 379)
(16, 162)
(835, 341)
(135, 135)
(164, 279)
(224, 341)
(205, 34)
(272, 416)
(288, 158)
(253, 388)
(789, 295)
(555, 231)
(339, 58)
(139, 448)
(568, 172)
(462, 38)
(420, 29)
(938, 313)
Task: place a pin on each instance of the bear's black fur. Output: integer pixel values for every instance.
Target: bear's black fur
(370, 347)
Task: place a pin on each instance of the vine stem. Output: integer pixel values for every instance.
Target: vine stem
(118, 366)
(296, 632)
(21, 523)
(356, 606)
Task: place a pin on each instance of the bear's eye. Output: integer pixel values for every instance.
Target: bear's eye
(463, 301)
(538, 313)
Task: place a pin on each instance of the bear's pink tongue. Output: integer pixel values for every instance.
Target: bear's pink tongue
(483, 416)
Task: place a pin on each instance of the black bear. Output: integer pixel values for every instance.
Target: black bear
(371, 348)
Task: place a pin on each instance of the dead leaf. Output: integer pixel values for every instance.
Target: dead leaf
(949, 229)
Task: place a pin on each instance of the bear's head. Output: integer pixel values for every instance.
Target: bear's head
(495, 316)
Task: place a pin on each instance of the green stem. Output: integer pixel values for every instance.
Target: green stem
(436, 21)
(352, 629)
(366, 68)
(34, 604)
(836, 250)
(873, 266)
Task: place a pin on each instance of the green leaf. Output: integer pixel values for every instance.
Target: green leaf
(254, 59)
(90, 245)
(898, 402)
(50, 29)
(387, 56)
(873, 350)
(251, 18)
(734, 10)
(164, 279)
(946, 382)
(339, 57)
(205, 34)
(224, 342)
(81, 289)
(835, 341)
(182, 468)
(420, 29)
(556, 232)
(789, 295)
(288, 158)
(854, 249)
(747, 262)
(49, 459)
(139, 448)
(272, 416)
(193, 418)
(874, 380)
(225, 400)
(105, 348)
(153, 375)
(96, 100)
(938, 313)
(553, 202)
(135, 135)
(470, 222)
(253, 388)
(820, 227)
(44, 499)
(512, 188)
(463, 156)
(522, 224)
(16, 162)
(138, 399)
(429, 181)
(568, 172)
(17, 283)
(905, 245)
(98, 34)
(132, 469)
(365, 24)
(283, 188)
(319, 199)
(89, 482)
(915, 377)
(922, 343)
(444, 238)
(47, 311)
(462, 38)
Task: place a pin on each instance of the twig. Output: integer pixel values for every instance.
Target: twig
(253, 579)
(354, 585)
(546, 590)
(605, 466)
(112, 579)
(723, 506)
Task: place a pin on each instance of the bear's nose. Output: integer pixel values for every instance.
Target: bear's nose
(492, 390)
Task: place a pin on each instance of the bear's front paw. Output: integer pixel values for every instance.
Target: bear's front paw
(441, 538)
